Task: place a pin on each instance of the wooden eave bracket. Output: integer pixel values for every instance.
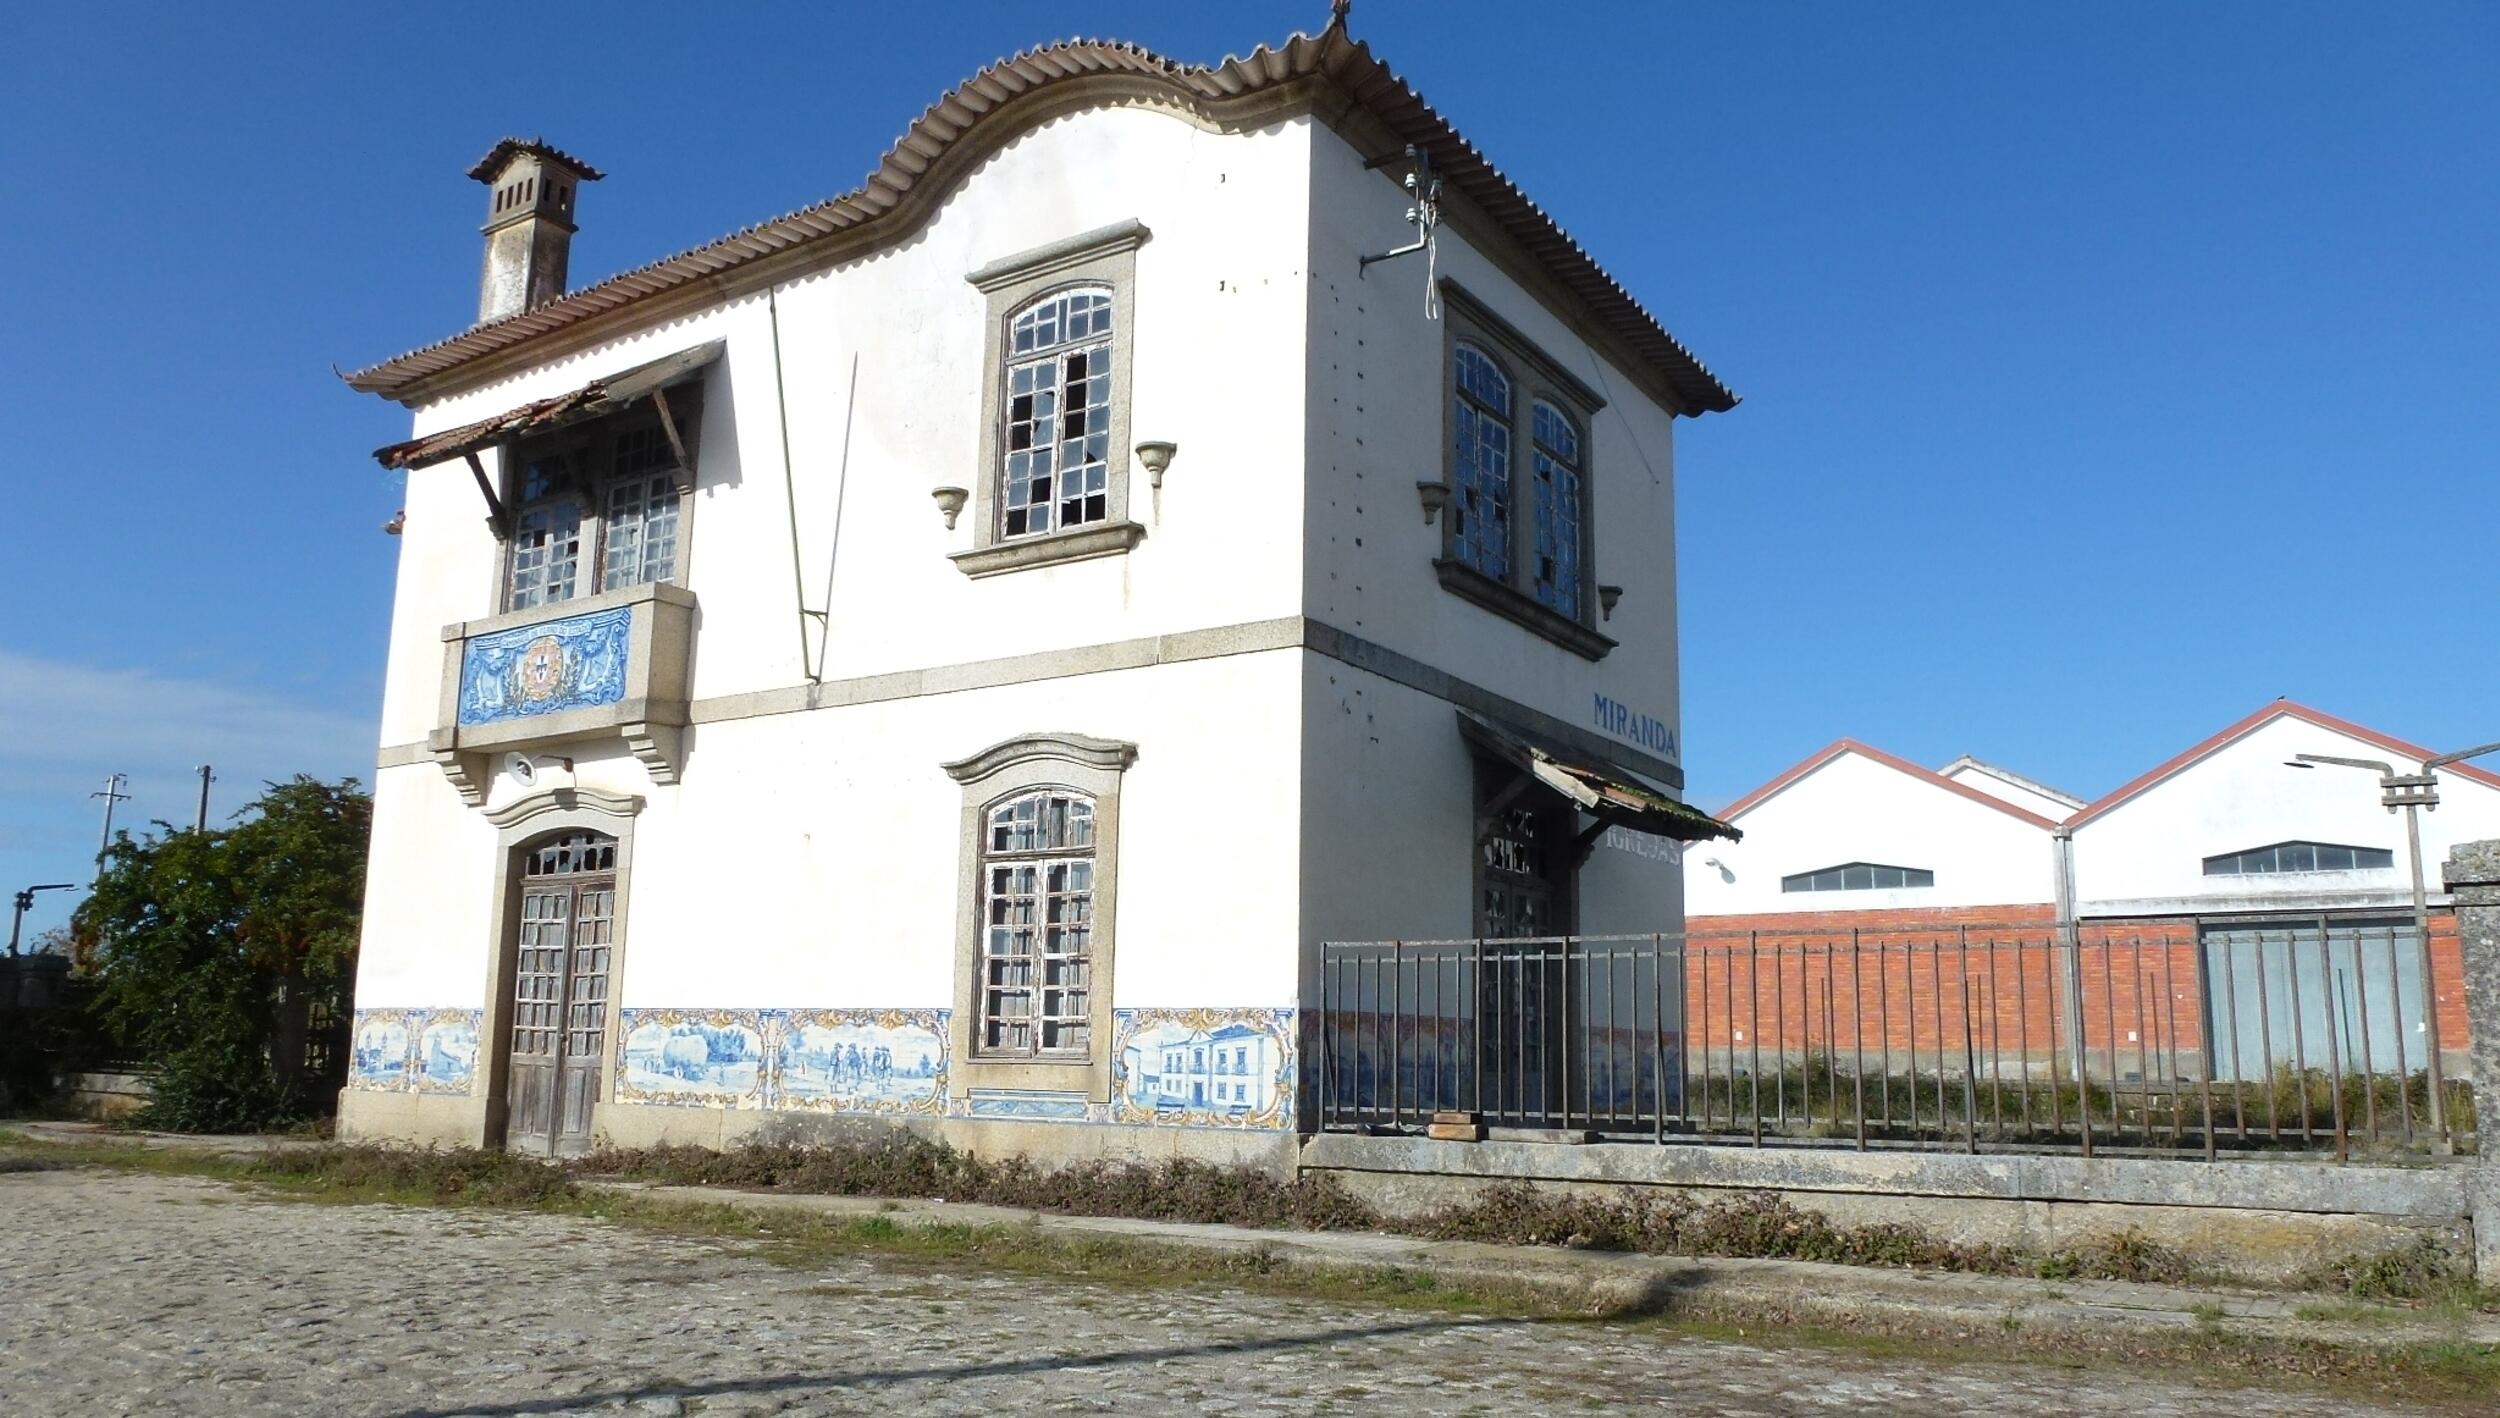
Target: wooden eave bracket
(676, 442)
(486, 487)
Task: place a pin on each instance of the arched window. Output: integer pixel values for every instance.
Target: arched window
(1037, 872)
(1055, 471)
(1481, 508)
(1557, 492)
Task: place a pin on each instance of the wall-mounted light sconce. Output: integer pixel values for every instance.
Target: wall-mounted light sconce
(950, 500)
(1156, 456)
(1436, 496)
(1606, 598)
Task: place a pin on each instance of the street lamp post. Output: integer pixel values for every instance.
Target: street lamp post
(2414, 792)
(26, 903)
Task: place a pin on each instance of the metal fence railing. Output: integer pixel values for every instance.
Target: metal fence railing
(2191, 1038)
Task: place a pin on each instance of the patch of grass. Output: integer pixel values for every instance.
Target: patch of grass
(2423, 1271)
(2348, 1312)
(1761, 1225)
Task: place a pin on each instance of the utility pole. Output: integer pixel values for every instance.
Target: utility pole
(26, 903)
(2414, 792)
(112, 794)
(206, 778)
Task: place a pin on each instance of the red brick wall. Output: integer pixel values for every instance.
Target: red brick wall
(1981, 979)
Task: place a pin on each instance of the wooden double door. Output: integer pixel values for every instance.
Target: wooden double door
(562, 954)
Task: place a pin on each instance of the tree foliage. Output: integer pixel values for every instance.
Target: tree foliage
(219, 951)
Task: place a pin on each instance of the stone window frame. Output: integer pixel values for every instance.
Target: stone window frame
(1535, 377)
(594, 442)
(1077, 763)
(1106, 257)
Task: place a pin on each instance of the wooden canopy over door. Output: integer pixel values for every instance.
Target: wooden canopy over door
(560, 993)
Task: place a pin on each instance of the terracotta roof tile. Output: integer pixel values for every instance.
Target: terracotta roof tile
(1331, 57)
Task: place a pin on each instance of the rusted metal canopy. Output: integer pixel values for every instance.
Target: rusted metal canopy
(1610, 795)
(608, 395)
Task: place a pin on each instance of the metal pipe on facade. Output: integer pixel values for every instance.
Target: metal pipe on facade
(789, 486)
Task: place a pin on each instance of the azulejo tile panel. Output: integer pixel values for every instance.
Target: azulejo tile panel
(1171, 1066)
(577, 662)
(858, 1060)
(1197, 1067)
(1204, 1067)
(419, 1050)
(443, 1046)
(700, 1057)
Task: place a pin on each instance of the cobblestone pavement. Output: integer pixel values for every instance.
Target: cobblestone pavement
(127, 1294)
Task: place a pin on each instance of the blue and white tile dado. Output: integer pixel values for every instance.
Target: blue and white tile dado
(414, 1050)
(1196, 1067)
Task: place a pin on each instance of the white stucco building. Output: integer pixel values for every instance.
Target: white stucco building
(2196, 836)
(2233, 846)
(954, 652)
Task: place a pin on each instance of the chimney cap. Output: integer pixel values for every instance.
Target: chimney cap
(491, 166)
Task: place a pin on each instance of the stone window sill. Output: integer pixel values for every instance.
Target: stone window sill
(1024, 553)
(1047, 1073)
(1469, 584)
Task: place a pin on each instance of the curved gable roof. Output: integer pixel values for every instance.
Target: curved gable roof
(1018, 92)
(1901, 765)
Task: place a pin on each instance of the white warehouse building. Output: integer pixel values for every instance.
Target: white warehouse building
(952, 654)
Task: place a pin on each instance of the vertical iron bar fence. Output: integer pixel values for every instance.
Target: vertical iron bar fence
(2206, 1039)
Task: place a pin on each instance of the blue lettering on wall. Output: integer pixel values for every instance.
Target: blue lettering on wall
(1625, 722)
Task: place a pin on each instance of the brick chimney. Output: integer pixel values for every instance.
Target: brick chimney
(529, 224)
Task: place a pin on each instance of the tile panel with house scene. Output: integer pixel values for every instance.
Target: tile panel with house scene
(1207, 1067)
(703, 1057)
(859, 1060)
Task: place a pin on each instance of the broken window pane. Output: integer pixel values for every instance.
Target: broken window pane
(1039, 908)
(1056, 472)
(1480, 505)
(1557, 492)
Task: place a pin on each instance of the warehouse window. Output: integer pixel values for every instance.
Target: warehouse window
(2285, 857)
(1859, 876)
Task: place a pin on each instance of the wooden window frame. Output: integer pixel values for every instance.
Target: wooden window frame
(1072, 763)
(1105, 258)
(1040, 859)
(593, 444)
(1535, 377)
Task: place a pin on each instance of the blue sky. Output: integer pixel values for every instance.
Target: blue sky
(2108, 369)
